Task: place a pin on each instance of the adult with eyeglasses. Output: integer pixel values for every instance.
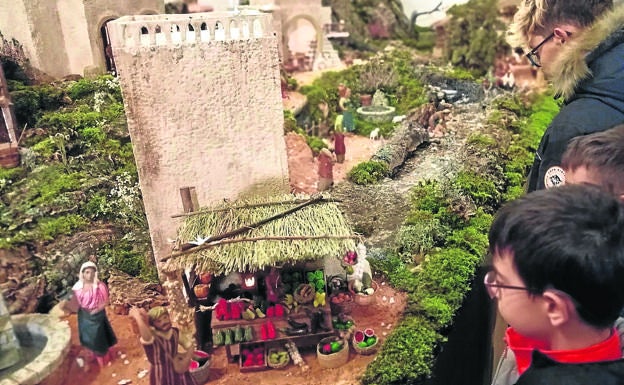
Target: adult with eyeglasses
(579, 47)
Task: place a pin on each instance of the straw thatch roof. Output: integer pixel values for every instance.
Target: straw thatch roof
(251, 235)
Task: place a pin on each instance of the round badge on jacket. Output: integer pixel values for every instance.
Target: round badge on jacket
(555, 176)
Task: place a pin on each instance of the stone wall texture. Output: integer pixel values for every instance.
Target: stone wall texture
(204, 112)
(62, 37)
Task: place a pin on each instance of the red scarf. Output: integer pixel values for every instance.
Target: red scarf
(523, 347)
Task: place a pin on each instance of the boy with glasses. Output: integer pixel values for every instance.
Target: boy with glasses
(579, 46)
(557, 268)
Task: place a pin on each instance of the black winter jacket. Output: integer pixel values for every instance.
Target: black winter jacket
(592, 86)
(544, 371)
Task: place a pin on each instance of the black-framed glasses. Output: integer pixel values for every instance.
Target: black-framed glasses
(533, 56)
(492, 287)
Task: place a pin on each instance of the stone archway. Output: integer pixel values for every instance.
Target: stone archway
(294, 24)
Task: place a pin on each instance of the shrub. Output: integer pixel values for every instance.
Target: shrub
(316, 144)
(49, 228)
(81, 89)
(368, 172)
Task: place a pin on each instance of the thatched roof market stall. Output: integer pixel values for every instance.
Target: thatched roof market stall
(255, 234)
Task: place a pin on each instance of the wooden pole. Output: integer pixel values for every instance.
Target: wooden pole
(191, 248)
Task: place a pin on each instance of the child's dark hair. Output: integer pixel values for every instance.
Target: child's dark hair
(602, 154)
(569, 238)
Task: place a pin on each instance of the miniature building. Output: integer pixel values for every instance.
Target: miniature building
(304, 29)
(204, 108)
(67, 37)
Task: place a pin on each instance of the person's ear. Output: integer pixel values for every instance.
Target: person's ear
(559, 307)
(562, 34)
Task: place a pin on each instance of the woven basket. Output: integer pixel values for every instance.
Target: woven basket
(202, 373)
(364, 299)
(304, 300)
(276, 366)
(342, 307)
(333, 360)
(367, 350)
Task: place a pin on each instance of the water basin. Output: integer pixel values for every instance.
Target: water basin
(376, 113)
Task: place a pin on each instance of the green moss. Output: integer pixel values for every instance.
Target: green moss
(481, 140)
(368, 172)
(407, 354)
(478, 187)
(49, 228)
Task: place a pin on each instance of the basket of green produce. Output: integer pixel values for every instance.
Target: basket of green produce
(365, 341)
(332, 352)
(277, 358)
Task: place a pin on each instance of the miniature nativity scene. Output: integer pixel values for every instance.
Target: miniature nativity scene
(280, 274)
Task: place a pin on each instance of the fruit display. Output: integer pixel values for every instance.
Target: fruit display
(205, 278)
(364, 341)
(252, 357)
(290, 281)
(350, 258)
(331, 347)
(277, 357)
(342, 322)
(317, 280)
(201, 290)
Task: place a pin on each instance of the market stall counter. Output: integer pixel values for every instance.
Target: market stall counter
(305, 327)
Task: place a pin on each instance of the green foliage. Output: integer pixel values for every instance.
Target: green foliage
(394, 268)
(407, 354)
(124, 255)
(364, 127)
(315, 143)
(290, 123)
(446, 274)
(368, 172)
(26, 104)
(474, 35)
(81, 88)
(481, 140)
(417, 238)
(49, 228)
(478, 187)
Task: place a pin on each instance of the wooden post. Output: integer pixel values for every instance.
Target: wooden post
(189, 199)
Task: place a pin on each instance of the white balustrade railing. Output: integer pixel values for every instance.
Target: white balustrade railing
(168, 29)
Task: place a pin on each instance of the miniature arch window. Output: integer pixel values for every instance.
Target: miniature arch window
(176, 36)
(160, 36)
(190, 33)
(245, 29)
(144, 36)
(204, 33)
(257, 28)
(234, 30)
(219, 31)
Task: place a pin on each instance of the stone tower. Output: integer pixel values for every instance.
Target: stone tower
(204, 109)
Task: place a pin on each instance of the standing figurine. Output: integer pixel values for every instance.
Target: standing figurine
(325, 170)
(90, 297)
(160, 341)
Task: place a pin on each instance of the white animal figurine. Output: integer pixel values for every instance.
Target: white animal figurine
(398, 118)
(374, 135)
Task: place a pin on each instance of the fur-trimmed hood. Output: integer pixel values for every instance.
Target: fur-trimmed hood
(576, 58)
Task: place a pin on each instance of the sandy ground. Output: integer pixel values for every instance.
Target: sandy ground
(130, 359)
(130, 362)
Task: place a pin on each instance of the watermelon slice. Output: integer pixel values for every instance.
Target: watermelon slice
(358, 336)
(368, 332)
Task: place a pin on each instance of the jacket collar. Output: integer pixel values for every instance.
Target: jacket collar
(572, 64)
